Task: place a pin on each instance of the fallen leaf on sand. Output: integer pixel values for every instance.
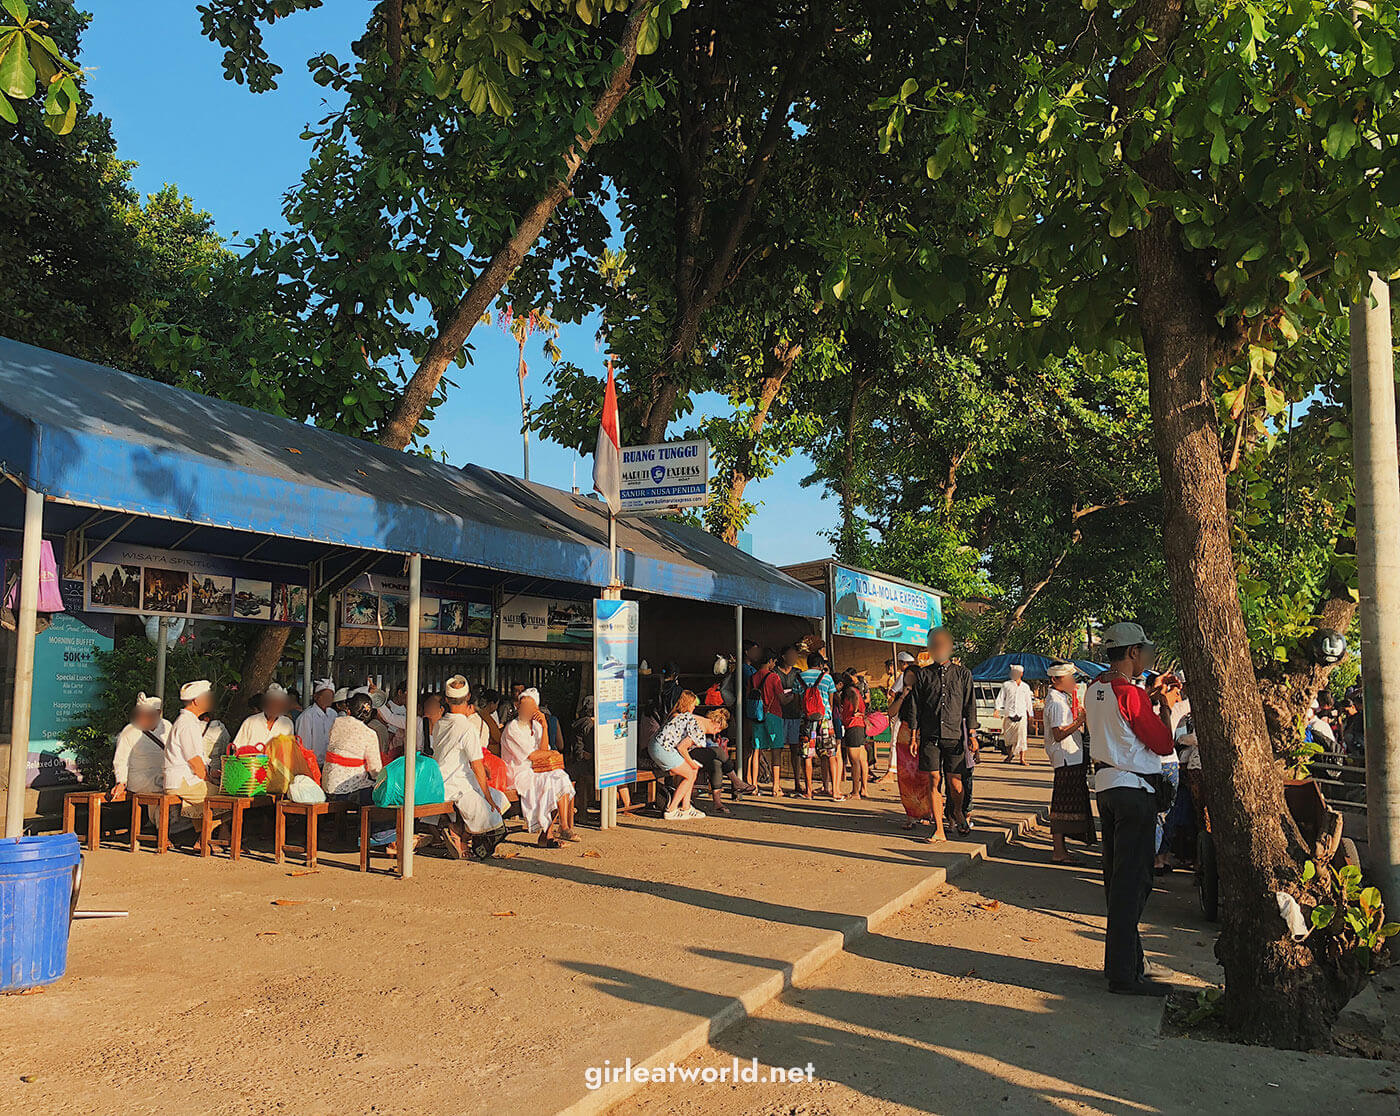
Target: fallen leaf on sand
(288, 902)
(30, 991)
(502, 914)
(1025, 939)
(268, 933)
(29, 1077)
(509, 855)
(970, 972)
(990, 905)
(590, 852)
(304, 872)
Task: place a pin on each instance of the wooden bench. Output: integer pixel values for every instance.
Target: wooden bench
(233, 841)
(93, 801)
(647, 778)
(369, 814)
(160, 803)
(311, 813)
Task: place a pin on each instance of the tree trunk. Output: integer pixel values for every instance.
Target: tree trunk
(1277, 992)
(1014, 620)
(453, 332)
(779, 360)
(259, 663)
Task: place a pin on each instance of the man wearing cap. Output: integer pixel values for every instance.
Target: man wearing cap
(1127, 743)
(314, 724)
(271, 720)
(139, 762)
(184, 769)
(1014, 705)
(459, 745)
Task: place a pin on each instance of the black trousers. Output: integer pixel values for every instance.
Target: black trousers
(1129, 821)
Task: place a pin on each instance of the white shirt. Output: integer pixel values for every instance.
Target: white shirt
(395, 716)
(518, 740)
(1113, 741)
(1014, 699)
(256, 731)
(1059, 713)
(458, 741)
(139, 761)
(355, 741)
(185, 742)
(314, 728)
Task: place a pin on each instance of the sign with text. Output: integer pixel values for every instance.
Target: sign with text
(146, 580)
(671, 475)
(874, 607)
(380, 604)
(67, 681)
(615, 627)
(541, 620)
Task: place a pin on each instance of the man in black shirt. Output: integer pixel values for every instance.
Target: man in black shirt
(945, 726)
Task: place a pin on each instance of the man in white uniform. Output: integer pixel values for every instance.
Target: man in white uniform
(139, 762)
(257, 730)
(459, 743)
(314, 724)
(1014, 704)
(185, 771)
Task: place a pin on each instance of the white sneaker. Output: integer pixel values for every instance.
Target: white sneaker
(692, 813)
(674, 815)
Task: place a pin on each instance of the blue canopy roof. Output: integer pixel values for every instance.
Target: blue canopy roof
(94, 437)
(998, 667)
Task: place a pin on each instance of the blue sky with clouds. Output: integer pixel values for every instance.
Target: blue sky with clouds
(173, 112)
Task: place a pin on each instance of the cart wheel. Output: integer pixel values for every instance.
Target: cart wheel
(1346, 854)
(1207, 880)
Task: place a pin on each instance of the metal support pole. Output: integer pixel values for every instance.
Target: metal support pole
(410, 735)
(1378, 575)
(494, 648)
(612, 550)
(24, 661)
(332, 614)
(162, 642)
(310, 633)
(740, 663)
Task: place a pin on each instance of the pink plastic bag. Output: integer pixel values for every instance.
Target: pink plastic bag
(50, 599)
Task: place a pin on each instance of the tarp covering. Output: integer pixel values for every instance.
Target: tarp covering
(90, 435)
(998, 667)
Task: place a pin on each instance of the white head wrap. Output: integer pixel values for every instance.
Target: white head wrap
(456, 688)
(531, 693)
(147, 704)
(340, 695)
(322, 684)
(196, 689)
(274, 690)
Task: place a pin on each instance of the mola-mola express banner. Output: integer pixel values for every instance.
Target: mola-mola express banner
(876, 608)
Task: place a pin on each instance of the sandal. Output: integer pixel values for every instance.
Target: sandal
(548, 842)
(964, 829)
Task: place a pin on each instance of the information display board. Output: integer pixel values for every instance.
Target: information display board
(874, 607)
(615, 627)
(670, 475)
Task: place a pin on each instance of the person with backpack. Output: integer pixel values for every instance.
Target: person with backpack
(763, 710)
(790, 676)
(818, 727)
(852, 715)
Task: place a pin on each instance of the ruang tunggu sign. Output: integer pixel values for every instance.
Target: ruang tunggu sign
(671, 475)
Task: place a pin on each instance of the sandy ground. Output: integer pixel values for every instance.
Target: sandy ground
(987, 998)
(471, 988)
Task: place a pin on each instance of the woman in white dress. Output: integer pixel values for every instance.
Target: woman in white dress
(546, 797)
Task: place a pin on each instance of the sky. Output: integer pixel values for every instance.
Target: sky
(236, 153)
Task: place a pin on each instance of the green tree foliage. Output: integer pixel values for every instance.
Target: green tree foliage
(34, 62)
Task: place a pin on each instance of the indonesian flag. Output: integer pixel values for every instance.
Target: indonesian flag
(607, 458)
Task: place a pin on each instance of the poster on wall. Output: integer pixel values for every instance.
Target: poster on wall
(381, 604)
(615, 628)
(540, 620)
(874, 607)
(153, 582)
(66, 684)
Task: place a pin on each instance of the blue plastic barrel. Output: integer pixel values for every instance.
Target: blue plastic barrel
(36, 893)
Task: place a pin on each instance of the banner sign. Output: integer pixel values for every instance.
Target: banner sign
(142, 579)
(66, 685)
(876, 608)
(615, 626)
(381, 604)
(671, 475)
(539, 620)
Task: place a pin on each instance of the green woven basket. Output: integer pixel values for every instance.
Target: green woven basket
(245, 776)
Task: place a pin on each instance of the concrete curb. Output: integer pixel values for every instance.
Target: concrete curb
(756, 997)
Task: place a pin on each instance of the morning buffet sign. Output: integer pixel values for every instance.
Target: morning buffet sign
(873, 607)
(143, 580)
(664, 477)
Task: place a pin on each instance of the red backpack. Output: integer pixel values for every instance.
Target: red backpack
(813, 704)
